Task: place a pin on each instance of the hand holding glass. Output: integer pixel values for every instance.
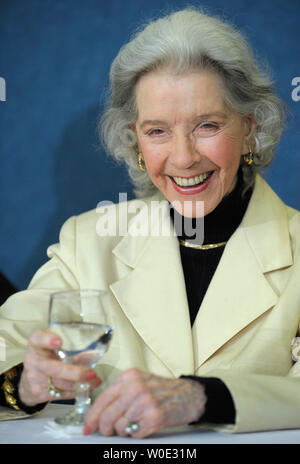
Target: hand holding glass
(79, 318)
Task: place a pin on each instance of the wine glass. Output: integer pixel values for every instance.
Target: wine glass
(79, 318)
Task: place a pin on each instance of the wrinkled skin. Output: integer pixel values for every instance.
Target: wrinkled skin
(151, 401)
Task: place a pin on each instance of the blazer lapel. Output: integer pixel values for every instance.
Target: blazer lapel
(239, 292)
(152, 290)
(152, 294)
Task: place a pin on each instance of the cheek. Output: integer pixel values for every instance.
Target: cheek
(225, 151)
(154, 159)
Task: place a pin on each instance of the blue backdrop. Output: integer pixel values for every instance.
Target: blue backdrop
(55, 58)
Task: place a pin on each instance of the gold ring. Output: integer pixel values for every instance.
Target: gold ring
(52, 390)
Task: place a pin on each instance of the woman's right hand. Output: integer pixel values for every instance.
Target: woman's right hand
(41, 362)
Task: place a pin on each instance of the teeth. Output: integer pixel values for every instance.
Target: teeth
(183, 182)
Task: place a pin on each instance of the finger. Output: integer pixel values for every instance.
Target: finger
(144, 410)
(66, 390)
(34, 389)
(67, 385)
(41, 340)
(128, 397)
(110, 416)
(120, 426)
(148, 419)
(95, 383)
(58, 370)
(63, 395)
(143, 429)
(63, 385)
(102, 402)
(141, 414)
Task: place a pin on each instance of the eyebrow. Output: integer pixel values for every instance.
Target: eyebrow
(219, 114)
(154, 122)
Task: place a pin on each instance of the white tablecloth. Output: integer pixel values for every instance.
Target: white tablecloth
(38, 429)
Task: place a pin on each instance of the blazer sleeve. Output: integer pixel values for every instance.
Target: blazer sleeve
(219, 407)
(261, 402)
(27, 310)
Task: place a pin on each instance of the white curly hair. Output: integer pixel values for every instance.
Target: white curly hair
(188, 40)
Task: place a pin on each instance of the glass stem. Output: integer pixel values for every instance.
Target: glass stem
(83, 399)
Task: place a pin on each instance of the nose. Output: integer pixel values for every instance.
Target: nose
(184, 152)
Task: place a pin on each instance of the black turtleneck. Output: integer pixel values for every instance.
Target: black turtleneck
(199, 267)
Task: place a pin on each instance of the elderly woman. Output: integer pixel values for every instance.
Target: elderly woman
(203, 321)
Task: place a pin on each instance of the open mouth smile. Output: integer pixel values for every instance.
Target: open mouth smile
(191, 181)
(191, 185)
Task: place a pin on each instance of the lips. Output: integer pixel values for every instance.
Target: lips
(192, 185)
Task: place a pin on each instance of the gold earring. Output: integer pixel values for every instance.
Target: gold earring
(248, 158)
(140, 162)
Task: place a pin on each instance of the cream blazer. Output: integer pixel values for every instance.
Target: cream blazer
(244, 327)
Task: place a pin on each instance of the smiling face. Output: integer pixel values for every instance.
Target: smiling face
(191, 142)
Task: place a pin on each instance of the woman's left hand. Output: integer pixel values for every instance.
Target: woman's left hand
(150, 401)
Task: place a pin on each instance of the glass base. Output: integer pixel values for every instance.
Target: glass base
(76, 417)
(73, 418)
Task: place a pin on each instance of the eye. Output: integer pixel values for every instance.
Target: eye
(156, 132)
(206, 129)
(208, 125)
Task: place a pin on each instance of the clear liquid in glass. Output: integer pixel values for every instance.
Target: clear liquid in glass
(79, 318)
(83, 343)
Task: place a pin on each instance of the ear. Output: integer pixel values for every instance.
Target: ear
(250, 125)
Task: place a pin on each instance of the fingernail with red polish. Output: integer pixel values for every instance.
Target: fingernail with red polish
(86, 430)
(55, 343)
(98, 381)
(90, 375)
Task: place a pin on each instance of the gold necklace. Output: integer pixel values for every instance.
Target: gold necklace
(201, 247)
